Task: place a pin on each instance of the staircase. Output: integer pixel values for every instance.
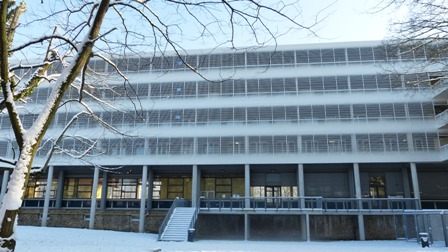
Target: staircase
(177, 227)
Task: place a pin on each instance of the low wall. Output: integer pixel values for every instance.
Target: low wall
(118, 220)
(232, 226)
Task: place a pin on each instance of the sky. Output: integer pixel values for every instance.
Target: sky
(351, 20)
(339, 21)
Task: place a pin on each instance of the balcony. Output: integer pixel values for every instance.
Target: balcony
(442, 119)
(317, 205)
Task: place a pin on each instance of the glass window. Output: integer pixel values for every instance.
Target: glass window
(252, 86)
(366, 53)
(370, 82)
(339, 55)
(356, 82)
(37, 186)
(327, 56)
(314, 56)
(342, 82)
(316, 83)
(303, 84)
(379, 53)
(305, 112)
(122, 188)
(302, 57)
(353, 54)
(80, 188)
(415, 110)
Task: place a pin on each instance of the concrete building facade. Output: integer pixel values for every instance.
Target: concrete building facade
(300, 142)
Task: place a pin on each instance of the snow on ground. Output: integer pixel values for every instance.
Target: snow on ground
(41, 239)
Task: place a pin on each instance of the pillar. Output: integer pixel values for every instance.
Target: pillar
(357, 178)
(150, 188)
(246, 227)
(141, 224)
(247, 186)
(301, 184)
(4, 184)
(194, 185)
(308, 232)
(301, 191)
(415, 185)
(104, 191)
(47, 196)
(60, 189)
(96, 174)
(406, 186)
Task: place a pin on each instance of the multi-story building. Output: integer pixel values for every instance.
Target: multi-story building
(317, 141)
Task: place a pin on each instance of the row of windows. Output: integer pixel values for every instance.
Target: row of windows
(260, 144)
(81, 188)
(334, 184)
(251, 115)
(276, 86)
(367, 54)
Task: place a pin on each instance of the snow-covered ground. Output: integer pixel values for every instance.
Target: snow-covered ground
(40, 239)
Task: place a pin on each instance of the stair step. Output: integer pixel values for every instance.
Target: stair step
(177, 227)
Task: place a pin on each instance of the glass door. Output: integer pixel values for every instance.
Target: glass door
(273, 194)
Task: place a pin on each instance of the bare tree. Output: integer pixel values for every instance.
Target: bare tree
(100, 30)
(421, 34)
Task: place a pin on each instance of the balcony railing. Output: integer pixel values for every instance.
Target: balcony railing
(311, 203)
(369, 204)
(256, 203)
(336, 205)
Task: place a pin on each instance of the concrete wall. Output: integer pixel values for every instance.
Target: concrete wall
(219, 226)
(333, 227)
(275, 227)
(119, 220)
(381, 227)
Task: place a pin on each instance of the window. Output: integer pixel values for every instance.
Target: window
(377, 187)
(36, 188)
(123, 188)
(80, 188)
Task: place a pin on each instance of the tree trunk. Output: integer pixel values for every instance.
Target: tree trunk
(7, 230)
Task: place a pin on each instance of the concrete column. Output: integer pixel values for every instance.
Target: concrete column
(141, 223)
(354, 143)
(246, 227)
(301, 192)
(406, 186)
(351, 183)
(415, 185)
(150, 188)
(60, 189)
(199, 184)
(47, 196)
(247, 185)
(104, 191)
(194, 185)
(4, 184)
(308, 232)
(96, 174)
(301, 184)
(410, 142)
(357, 178)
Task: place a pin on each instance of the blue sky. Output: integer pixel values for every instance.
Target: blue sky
(342, 20)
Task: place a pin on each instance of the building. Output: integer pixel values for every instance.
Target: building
(317, 141)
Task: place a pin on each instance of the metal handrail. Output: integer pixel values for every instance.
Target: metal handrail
(303, 203)
(178, 202)
(313, 203)
(196, 213)
(370, 204)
